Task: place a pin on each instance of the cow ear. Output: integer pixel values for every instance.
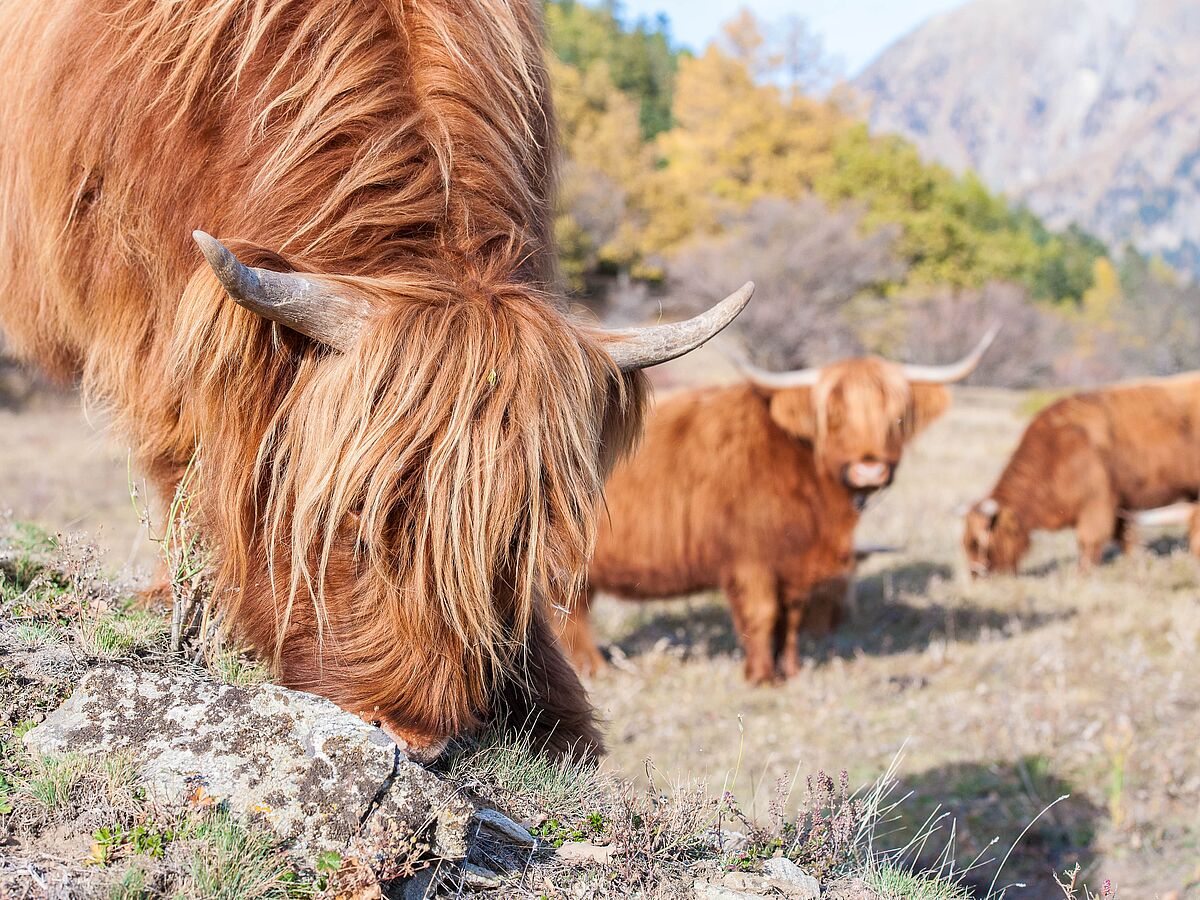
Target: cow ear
(792, 410)
(928, 402)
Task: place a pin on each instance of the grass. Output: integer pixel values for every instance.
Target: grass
(53, 781)
(121, 635)
(890, 882)
(37, 634)
(507, 770)
(232, 667)
(663, 835)
(228, 861)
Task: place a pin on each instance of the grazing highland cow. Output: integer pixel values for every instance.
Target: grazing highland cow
(401, 438)
(1086, 462)
(756, 489)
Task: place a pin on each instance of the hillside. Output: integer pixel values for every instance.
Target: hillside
(1087, 110)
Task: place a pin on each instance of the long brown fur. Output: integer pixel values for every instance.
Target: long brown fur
(389, 519)
(744, 489)
(1082, 461)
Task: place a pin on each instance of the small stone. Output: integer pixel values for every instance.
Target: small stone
(788, 877)
(420, 887)
(477, 877)
(501, 828)
(581, 853)
(706, 890)
(749, 885)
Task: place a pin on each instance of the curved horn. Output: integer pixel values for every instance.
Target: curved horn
(639, 348)
(955, 371)
(777, 380)
(300, 303)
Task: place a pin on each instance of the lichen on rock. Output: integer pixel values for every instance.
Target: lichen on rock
(318, 777)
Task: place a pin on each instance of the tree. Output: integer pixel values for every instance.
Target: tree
(734, 142)
(603, 181)
(641, 58)
(809, 264)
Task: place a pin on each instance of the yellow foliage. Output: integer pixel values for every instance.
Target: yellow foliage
(601, 197)
(734, 141)
(1101, 300)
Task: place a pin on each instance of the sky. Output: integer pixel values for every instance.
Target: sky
(854, 30)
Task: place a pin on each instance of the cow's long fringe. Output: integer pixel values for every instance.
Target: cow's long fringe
(400, 508)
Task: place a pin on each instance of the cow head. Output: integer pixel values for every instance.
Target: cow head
(993, 538)
(859, 413)
(430, 476)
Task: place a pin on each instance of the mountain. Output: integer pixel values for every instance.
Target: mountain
(1088, 111)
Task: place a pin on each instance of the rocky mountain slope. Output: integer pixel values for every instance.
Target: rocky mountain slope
(1086, 110)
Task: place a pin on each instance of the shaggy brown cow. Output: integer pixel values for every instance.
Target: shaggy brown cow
(756, 489)
(1083, 461)
(400, 450)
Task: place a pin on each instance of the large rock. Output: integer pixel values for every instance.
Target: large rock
(321, 778)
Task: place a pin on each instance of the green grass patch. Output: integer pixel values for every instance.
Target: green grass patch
(508, 770)
(1037, 399)
(120, 635)
(52, 780)
(891, 882)
(31, 635)
(230, 861)
(238, 669)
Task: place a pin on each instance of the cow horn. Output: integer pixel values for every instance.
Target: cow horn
(302, 304)
(777, 380)
(640, 348)
(955, 371)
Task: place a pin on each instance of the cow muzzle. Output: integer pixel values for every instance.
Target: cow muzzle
(867, 475)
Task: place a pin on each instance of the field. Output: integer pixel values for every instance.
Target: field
(998, 696)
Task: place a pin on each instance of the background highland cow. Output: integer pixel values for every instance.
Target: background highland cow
(1088, 462)
(756, 489)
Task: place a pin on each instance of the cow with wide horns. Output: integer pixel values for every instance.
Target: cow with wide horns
(399, 438)
(755, 489)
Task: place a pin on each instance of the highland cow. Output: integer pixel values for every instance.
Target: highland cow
(401, 438)
(1087, 462)
(756, 489)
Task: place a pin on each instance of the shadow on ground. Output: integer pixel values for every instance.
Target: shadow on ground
(1167, 544)
(989, 806)
(885, 622)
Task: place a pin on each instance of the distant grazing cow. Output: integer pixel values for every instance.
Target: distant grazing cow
(756, 489)
(1082, 462)
(401, 437)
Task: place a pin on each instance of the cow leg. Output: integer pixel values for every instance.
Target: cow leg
(795, 606)
(1095, 528)
(754, 602)
(1194, 531)
(826, 609)
(546, 699)
(575, 632)
(1126, 536)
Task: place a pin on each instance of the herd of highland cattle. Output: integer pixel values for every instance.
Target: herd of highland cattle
(401, 439)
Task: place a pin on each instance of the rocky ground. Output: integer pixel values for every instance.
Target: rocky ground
(132, 768)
